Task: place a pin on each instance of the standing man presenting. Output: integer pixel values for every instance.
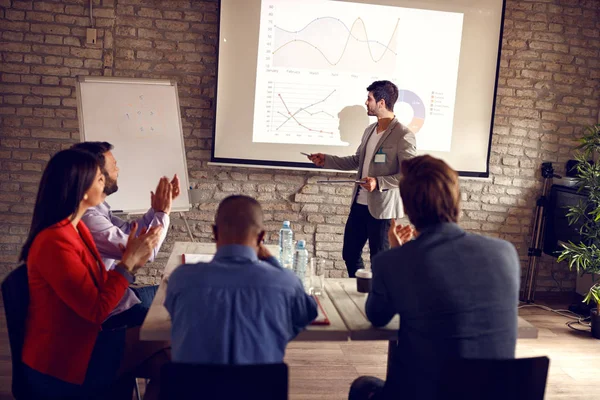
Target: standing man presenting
(375, 201)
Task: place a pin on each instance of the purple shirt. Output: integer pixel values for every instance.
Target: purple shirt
(109, 231)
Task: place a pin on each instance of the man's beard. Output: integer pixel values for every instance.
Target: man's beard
(110, 185)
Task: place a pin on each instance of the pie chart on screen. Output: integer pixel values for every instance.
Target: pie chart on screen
(410, 100)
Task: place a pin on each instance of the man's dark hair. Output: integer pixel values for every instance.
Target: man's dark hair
(430, 191)
(97, 149)
(385, 90)
(239, 216)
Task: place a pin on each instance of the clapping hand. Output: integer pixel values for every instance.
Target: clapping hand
(399, 234)
(139, 248)
(162, 199)
(176, 190)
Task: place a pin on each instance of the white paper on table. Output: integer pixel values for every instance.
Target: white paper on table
(196, 258)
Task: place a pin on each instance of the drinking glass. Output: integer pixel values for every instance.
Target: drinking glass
(317, 276)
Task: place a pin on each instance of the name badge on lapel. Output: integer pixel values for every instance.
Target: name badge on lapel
(380, 157)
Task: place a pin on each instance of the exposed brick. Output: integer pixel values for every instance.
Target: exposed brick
(16, 47)
(14, 15)
(53, 50)
(172, 25)
(19, 89)
(124, 10)
(149, 55)
(32, 100)
(46, 70)
(104, 13)
(13, 100)
(13, 36)
(73, 62)
(52, 29)
(22, 5)
(135, 22)
(53, 60)
(50, 134)
(135, 43)
(30, 37)
(72, 20)
(32, 59)
(86, 53)
(93, 64)
(51, 7)
(39, 16)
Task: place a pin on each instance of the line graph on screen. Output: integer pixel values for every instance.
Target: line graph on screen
(300, 110)
(327, 43)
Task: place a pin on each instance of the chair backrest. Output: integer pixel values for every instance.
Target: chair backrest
(224, 382)
(15, 294)
(515, 379)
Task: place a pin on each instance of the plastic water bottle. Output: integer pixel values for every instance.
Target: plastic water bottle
(301, 261)
(286, 245)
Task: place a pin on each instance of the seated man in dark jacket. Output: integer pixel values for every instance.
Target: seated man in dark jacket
(456, 292)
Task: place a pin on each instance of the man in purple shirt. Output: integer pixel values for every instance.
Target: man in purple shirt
(110, 232)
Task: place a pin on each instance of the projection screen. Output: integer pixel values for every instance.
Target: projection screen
(292, 77)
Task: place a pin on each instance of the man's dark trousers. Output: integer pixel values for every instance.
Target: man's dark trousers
(360, 227)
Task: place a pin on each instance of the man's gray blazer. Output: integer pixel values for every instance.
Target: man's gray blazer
(399, 144)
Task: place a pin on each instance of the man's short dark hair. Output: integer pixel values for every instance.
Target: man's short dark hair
(385, 90)
(430, 191)
(97, 149)
(239, 216)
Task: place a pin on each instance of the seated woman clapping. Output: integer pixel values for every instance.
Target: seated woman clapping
(65, 352)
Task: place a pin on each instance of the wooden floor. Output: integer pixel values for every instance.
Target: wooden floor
(325, 370)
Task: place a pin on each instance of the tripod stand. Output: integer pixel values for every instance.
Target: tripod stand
(537, 235)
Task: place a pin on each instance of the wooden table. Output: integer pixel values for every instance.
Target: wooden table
(351, 306)
(345, 308)
(157, 325)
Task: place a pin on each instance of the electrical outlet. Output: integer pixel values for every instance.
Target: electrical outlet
(91, 36)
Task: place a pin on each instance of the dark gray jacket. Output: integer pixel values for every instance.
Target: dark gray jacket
(457, 296)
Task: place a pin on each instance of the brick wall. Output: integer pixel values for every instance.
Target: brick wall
(548, 90)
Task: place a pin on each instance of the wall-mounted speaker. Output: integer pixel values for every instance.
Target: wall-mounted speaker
(557, 226)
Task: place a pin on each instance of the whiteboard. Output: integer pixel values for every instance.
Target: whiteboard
(141, 118)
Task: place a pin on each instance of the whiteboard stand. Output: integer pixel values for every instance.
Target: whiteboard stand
(141, 118)
(195, 196)
(187, 226)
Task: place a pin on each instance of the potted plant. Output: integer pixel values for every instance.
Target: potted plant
(585, 255)
(594, 294)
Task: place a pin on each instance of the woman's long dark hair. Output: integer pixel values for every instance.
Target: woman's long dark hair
(68, 175)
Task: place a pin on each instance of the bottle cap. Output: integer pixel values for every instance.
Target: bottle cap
(286, 224)
(301, 244)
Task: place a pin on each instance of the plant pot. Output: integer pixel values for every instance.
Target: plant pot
(595, 317)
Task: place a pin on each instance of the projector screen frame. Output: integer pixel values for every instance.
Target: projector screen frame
(242, 162)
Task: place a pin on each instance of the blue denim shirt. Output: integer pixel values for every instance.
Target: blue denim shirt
(236, 309)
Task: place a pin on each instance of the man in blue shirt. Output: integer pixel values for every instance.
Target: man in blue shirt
(242, 307)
